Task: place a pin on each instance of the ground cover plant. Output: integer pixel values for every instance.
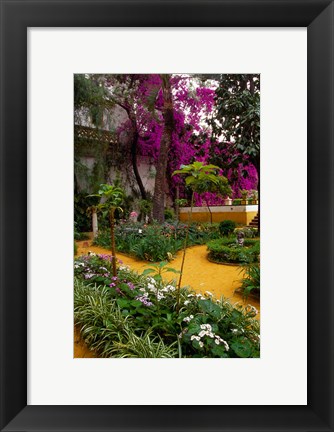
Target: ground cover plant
(137, 315)
(250, 283)
(157, 242)
(227, 250)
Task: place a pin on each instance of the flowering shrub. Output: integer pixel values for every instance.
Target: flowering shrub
(115, 313)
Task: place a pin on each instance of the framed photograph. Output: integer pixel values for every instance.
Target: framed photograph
(49, 45)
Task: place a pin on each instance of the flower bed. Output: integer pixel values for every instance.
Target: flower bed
(157, 242)
(228, 251)
(141, 315)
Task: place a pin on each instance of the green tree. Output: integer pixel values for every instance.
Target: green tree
(237, 116)
(112, 197)
(200, 178)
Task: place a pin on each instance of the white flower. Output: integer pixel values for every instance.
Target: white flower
(206, 327)
(151, 287)
(140, 231)
(191, 316)
(170, 288)
(193, 337)
(199, 295)
(76, 266)
(186, 319)
(208, 293)
(235, 331)
(201, 344)
(202, 333)
(186, 302)
(217, 341)
(190, 295)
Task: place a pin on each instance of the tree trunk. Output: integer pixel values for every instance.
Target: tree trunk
(94, 223)
(166, 139)
(177, 205)
(207, 203)
(134, 143)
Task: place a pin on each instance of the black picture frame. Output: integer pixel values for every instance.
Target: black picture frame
(16, 17)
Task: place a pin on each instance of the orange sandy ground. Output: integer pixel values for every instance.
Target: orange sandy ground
(198, 272)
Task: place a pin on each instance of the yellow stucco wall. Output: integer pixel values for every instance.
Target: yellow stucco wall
(243, 218)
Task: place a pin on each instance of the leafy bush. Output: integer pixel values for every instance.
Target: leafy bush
(226, 227)
(228, 251)
(135, 315)
(250, 283)
(236, 202)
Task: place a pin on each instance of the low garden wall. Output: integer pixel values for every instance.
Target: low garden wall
(241, 214)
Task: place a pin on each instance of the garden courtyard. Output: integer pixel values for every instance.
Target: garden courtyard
(166, 216)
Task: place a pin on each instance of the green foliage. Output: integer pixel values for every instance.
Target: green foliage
(228, 251)
(169, 214)
(145, 206)
(238, 113)
(82, 218)
(156, 242)
(244, 194)
(251, 280)
(226, 227)
(182, 202)
(236, 202)
(203, 178)
(249, 232)
(88, 93)
(134, 315)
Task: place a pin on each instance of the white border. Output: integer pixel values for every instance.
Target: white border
(279, 377)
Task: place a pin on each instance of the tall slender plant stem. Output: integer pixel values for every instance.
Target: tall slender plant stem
(112, 238)
(185, 244)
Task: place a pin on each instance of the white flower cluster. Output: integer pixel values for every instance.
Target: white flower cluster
(159, 292)
(188, 318)
(79, 264)
(206, 330)
(124, 267)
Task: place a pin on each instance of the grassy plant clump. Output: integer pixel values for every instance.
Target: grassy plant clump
(136, 315)
(156, 242)
(250, 283)
(228, 251)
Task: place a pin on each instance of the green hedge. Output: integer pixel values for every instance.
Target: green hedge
(228, 251)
